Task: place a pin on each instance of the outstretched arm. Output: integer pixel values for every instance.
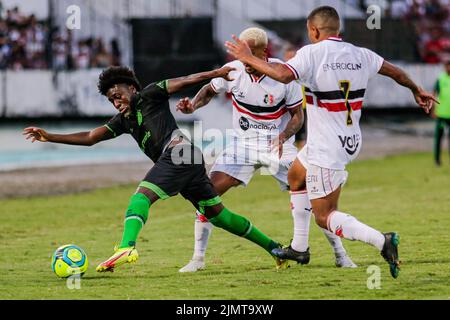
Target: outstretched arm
(87, 138)
(202, 98)
(241, 51)
(177, 84)
(423, 98)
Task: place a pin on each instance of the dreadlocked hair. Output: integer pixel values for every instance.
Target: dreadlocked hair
(116, 75)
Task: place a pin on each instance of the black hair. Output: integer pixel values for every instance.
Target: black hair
(117, 75)
(325, 12)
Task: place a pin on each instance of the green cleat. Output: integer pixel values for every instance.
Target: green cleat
(390, 252)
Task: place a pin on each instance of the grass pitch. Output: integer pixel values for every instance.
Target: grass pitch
(402, 193)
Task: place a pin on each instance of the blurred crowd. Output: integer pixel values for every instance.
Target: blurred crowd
(83, 53)
(431, 20)
(23, 41)
(27, 43)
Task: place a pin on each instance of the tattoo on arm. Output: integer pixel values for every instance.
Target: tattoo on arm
(295, 124)
(203, 97)
(398, 75)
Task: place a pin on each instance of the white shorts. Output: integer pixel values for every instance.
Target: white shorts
(240, 161)
(320, 182)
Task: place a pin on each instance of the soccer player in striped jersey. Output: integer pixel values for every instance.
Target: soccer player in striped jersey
(336, 74)
(264, 110)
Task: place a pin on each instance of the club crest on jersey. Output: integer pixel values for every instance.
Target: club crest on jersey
(268, 99)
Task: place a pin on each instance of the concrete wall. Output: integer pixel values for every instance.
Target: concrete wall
(44, 93)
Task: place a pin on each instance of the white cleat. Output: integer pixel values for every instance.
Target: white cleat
(345, 262)
(193, 266)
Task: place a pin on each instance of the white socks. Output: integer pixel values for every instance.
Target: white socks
(344, 225)
(301, 213)
(202, 233)
(335, 242)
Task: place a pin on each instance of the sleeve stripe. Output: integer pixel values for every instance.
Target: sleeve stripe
(291, 104)
(295, 105)
(291, 68)
(213, 87)
(109, 128)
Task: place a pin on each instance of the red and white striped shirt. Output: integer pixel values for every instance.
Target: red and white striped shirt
(260, 105)
(335, 75)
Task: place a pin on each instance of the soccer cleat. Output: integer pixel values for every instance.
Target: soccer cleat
(280, 263)
(390, 252)
(120, 256)
(291, 254)
(345, 262)
(194, 265)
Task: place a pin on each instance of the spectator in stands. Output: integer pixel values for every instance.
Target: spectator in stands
(435, 10)
(399, 9)
(82, 54)
(101, 57)
(60, 52)
(416, 10)
(115, 53)
(436, 46)
(25, 44)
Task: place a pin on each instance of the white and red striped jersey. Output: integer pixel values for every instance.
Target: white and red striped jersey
(335, 75)
(260, 105)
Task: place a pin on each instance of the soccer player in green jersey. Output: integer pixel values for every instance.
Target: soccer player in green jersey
(179, 165)
(442, 111)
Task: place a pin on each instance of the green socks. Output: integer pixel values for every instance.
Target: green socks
(135, 218)
(241, 227)
(137, 214)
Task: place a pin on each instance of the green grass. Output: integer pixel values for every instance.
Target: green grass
(402, 193)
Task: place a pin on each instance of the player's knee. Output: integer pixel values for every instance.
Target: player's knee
(296, 177)
(296, 184)
(213, 211)
(223, 182)
(152, 196)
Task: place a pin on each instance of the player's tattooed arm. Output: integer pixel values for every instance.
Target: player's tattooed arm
(292, 127)
(202, 98)
(177, 84)
(87, 138)
(241, 51)
(422, 97)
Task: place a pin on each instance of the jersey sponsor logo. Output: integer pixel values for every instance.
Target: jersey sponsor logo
(341, 66)
(350, 143)
(245, 125)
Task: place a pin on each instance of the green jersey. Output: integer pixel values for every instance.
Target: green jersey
(443, 89)
(151, 123)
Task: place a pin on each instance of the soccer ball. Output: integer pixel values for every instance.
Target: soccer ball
(69, 260)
